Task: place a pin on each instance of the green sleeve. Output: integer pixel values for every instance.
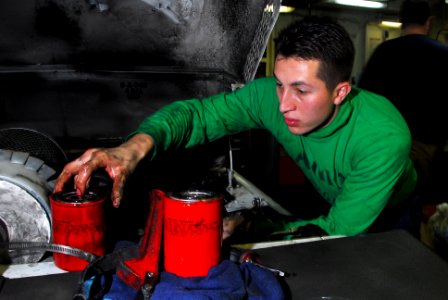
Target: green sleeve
(363, 197)
(349, 216)
(196, 121)
(377, 175)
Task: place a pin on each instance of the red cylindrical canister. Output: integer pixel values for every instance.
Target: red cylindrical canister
(192, 232)
(77, 222)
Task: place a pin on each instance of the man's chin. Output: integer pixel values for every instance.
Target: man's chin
(298, 131)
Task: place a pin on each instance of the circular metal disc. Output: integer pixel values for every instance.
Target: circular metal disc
(24, 218)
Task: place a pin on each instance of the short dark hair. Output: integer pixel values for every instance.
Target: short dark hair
(320, 38)
(414, 12)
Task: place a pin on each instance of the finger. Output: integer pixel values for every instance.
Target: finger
(227, 228)
(82, 178)
(225, 235)
(117, 190)
(116, 196)
(81, 168)
(60, 181)
(92, 160)
(69, 170)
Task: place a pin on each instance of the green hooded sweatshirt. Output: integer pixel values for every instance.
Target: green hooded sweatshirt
(359, 163)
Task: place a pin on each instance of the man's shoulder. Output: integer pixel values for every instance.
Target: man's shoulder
(263, 80)
(374, 106)
(415, 41)
(262, 85)
(366, 95)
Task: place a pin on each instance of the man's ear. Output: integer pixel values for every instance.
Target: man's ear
(428, 24)
(341, 90)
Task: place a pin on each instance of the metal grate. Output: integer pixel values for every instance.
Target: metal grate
(270, 15)
(34, 143)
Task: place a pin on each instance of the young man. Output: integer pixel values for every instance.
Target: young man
(351, 144)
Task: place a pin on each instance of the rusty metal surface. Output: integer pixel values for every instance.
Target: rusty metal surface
(94, 70)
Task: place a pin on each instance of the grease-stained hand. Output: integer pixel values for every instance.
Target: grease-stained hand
(119, 162)
(230, 223)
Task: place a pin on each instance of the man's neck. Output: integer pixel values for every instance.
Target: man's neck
(417, 28)
(414, 30)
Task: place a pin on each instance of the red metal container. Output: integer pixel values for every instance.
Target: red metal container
(192, 232)
(77, 222)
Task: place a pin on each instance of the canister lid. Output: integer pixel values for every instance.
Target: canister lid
(72, 197)
(193, 195)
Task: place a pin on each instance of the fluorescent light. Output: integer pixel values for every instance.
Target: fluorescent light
(283, 8)
(391, 24)
(359, 3)
(288, 9)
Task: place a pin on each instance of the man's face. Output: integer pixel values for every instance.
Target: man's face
(305, 101)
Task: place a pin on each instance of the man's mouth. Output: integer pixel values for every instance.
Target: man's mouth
(291, 122)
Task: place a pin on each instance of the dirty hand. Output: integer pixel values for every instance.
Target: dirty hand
(119, 163)
(230, 224)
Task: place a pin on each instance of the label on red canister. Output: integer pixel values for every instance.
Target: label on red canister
(77, 222)
(192, 232)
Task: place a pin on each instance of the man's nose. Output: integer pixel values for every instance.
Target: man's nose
(285, 100)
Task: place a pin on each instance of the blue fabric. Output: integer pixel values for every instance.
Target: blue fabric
(260, 283)
(227, 281)
(118, 291)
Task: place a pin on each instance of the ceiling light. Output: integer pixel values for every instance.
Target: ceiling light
(359, 3)
(286, 9)
(391, 24)
(283, 8)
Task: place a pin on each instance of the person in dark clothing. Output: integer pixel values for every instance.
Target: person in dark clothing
(404, 70)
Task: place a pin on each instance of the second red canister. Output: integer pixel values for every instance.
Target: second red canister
(192, 232)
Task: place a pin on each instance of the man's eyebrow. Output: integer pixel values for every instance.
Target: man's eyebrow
(295, 83)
